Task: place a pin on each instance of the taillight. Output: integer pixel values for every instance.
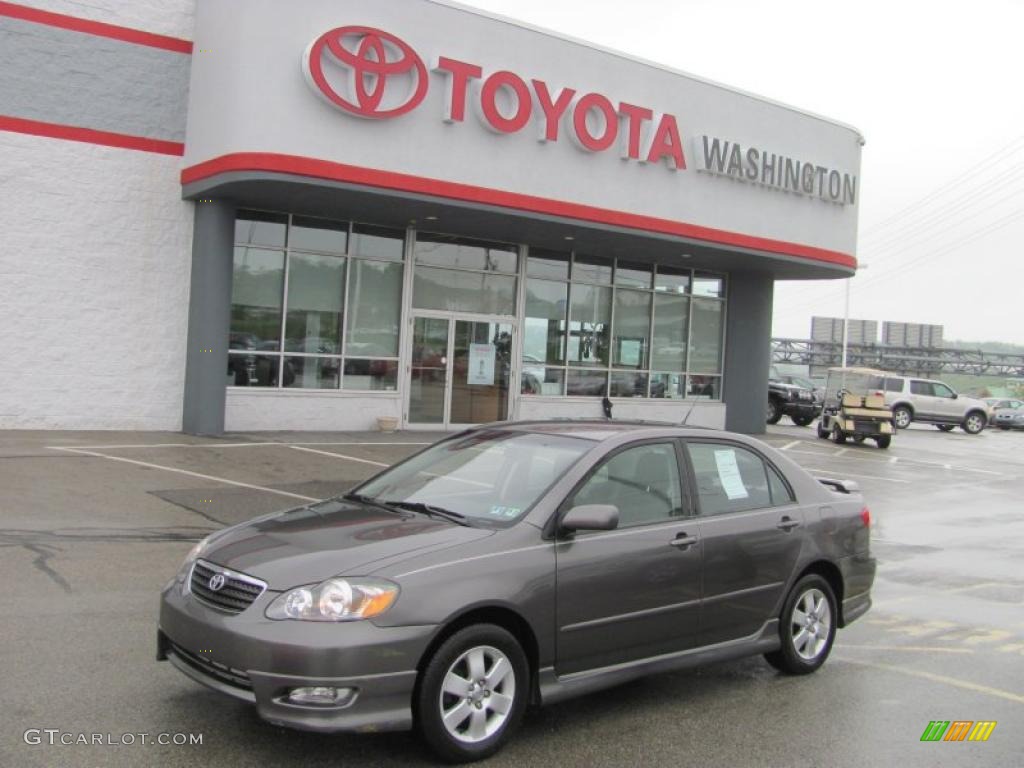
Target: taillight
(865, 516)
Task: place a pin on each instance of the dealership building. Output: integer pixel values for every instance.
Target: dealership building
(222, 216)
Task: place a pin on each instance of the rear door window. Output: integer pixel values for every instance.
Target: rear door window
(729, 478)
(921, 387)
(893, 385)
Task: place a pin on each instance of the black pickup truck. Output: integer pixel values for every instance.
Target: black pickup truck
(801, 404)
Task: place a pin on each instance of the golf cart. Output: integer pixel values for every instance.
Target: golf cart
(855, 407)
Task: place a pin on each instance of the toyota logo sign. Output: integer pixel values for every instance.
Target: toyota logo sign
(366, 72)
(216, 582)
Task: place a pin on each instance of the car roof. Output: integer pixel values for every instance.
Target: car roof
(599, 430)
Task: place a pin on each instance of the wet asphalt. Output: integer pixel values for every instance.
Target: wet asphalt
(93, 524)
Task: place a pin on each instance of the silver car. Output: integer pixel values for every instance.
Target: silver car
(932, 402)
(519, 564)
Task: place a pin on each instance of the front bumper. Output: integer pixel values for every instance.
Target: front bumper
(255, 659)
(805, 408)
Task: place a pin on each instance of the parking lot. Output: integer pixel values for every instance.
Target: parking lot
(93, 524)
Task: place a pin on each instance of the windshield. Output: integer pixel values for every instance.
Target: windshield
(488, 476)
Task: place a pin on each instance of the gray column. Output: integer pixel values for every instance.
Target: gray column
(748, 352)
(209, 318)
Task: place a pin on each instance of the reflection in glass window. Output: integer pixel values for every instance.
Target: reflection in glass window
(252, 370)
(309, 234)
(549, 264)
(671, 320)
(449, 251)
(729, 478)
(260, 228)
(670, 386)
(586, 383)
(257, 285)
(706, 338)
(592, 269)
(705, 387)
(316, 287)
(672, 280)
(374, 308)
(628, 384)
(457, 291)
(589, 322)
(633, 275)
(377, 242)
(632, 328)
(544, 322)
(538, 380)
(370, 375)
(311, 372)
(708, 285)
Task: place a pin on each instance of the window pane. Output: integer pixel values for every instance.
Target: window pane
(668, 385)
(448, 251)
(311, 372)
(258, 228)
(632, 328)
(583, 383)
(628, 384)
(589, 325)
(318, 235)
(316, 287)
(705, 388)
(257, 285)
(633, 275)
(729, 478)
(591, 269)
(708, 285)
(377, 242)
(780, 491)
(253, 370)
(374, 308)
(544, 324)
(671, 317)
(643, 482)
(477, 292)
(371, 375)
(542, 263)
(706, 350)
(672, 279)
(537, 380)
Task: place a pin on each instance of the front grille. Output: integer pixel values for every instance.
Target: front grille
(237, 594)
(225, 674)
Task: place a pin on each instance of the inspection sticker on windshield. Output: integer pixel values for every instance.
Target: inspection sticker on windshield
(729, 475)
(505, 511)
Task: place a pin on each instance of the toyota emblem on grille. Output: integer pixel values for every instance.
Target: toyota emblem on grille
(216, 582)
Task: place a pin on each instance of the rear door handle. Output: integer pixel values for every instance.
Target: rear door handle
(787, 524)
(682, 541)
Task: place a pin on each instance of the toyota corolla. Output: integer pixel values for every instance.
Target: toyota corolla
(520, 564)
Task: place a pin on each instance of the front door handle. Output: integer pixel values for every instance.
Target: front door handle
(787, 524)
(682, 541)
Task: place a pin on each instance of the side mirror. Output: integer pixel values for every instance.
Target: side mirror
(955, 395)
(591, 517)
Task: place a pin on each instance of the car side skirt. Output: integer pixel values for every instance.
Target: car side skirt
(554, 688)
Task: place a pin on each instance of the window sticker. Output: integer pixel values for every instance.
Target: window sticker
(729, 475)
(508, 512)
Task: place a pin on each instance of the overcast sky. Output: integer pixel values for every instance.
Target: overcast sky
(934, 86)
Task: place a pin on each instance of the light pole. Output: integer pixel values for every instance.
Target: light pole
(846, 313)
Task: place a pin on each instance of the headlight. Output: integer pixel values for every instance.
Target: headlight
(335, 600)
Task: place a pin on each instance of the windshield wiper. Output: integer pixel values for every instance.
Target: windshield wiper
(431, 511)
(372, 501)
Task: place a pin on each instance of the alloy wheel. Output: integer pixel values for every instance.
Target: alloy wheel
(811, 624)
(477, 695)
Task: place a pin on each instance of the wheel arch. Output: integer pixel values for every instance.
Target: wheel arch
(830, 573)
(903, 404)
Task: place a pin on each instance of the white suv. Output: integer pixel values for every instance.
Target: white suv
(933, 402)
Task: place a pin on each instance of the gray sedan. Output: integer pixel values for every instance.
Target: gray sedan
(517, 564)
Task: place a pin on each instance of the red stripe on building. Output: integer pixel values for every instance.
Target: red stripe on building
(99, 28)
(90, 136)
(323, 169)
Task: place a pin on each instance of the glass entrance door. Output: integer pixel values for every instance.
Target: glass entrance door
(460, 371)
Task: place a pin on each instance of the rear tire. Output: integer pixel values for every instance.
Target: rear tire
(479, 682)
(902, 416)
(974, 423)
(807, 627)
(883, 441)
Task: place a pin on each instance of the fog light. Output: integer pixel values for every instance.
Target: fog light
(324, 696)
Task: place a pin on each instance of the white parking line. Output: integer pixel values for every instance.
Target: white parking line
(787, 446)
(894, 459)
(843, 472)
(213, 478)
(965, 684)
(339, 456)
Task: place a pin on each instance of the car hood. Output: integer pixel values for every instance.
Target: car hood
(330, 538)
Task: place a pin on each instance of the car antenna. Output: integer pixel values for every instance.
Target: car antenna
(687, 416)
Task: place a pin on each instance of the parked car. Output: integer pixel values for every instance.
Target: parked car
(520, 563)
(932, 402)
(798, 402)
(1008, 414)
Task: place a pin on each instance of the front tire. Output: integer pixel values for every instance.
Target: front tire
(883, 441)
(901, 416)
(974, 423)
(807, 627)
(774, 411)
(472, 693)
(802, 421)
(822, 429)
(838, 436)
